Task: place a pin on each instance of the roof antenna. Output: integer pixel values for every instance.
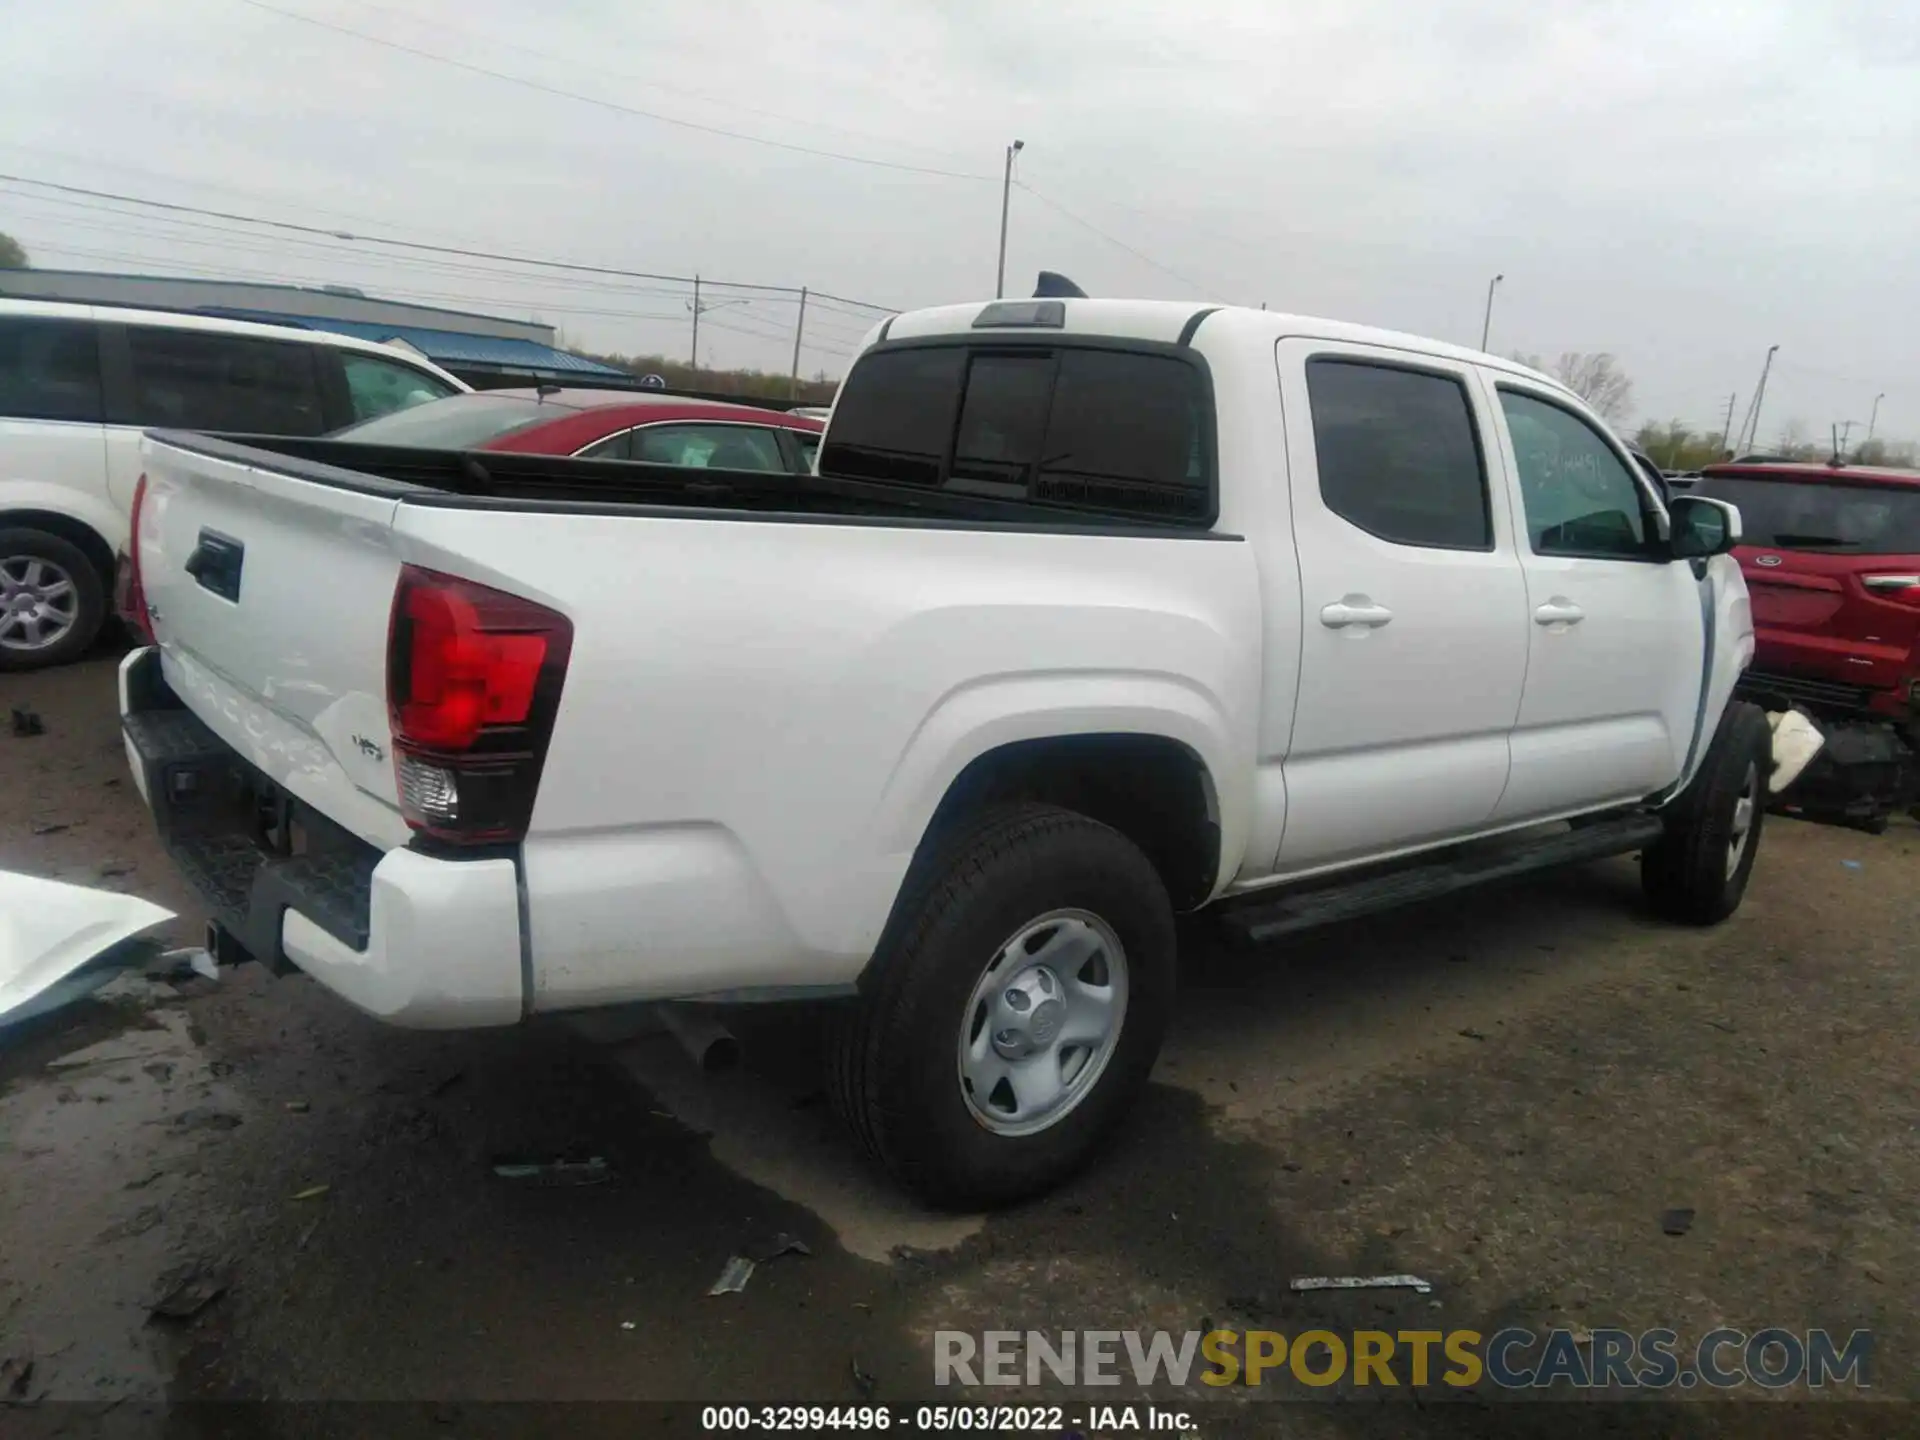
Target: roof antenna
(1054, 286)
(1836, 462)
(544, 389)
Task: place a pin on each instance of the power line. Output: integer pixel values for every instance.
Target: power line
(419, 245)
(1091, 228)
(468, 29)
(654, 115)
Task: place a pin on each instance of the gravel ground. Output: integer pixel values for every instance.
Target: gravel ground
(1501, 1094)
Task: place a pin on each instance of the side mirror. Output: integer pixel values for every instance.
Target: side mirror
(1702, 527)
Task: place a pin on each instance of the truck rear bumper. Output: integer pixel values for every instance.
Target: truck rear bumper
(409, 938)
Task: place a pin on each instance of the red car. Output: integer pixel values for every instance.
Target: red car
(603, 425)
(1831, 554)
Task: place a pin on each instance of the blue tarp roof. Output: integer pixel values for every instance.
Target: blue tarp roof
(452, 348)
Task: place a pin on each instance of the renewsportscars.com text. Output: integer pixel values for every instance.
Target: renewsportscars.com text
(1771, 1358)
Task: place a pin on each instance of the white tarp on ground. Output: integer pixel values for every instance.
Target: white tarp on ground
(51, 931)
(1796, 740)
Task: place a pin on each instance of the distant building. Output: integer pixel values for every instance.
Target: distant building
(483, 350)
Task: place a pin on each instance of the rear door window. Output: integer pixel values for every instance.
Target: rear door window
(711, 447)
(1819, 515)
(206, 380)
(1399, 455)
(49, 369)
(1111, 431)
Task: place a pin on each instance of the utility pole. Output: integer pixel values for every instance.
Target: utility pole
(1486, 325)
(799, 329)
(1726, 426)
(1874, 418)
(1760, 397)
(1006, 201)
(694, 359)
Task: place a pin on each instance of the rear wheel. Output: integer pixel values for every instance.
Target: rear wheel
(52, 600)
(1014, 1013)
(1698, 871)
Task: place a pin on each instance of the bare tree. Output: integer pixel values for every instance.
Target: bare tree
(13, 255)
(1596, 379)
(1793, 442)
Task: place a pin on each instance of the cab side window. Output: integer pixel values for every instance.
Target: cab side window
(1580, 497)
(1399, 454)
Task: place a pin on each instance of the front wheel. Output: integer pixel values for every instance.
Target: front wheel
(1698, 871)
(1014, 1011)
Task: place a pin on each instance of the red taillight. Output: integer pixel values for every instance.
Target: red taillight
(473, 683)
(132, 599)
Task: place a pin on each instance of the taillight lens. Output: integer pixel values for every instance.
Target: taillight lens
(131, 601)
(473, 684)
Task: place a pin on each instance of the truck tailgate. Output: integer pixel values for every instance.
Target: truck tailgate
(270, 599)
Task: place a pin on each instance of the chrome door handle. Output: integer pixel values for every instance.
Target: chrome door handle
(1354, 610)
(1559, 611)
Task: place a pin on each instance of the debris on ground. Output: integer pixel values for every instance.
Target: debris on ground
(206, 1117)
(444, 1084)
(782, 1244)
(114, 869)
(1362, 1282)
(135, 1045)
(1850, 865)
(49, 827)
(189, 1289)
(566, 1170)
(1676, 1222)
(862, 1381)
(313, 1192)
(16, 1373)
(60, 942)
(184, 965)
(1471, 1034)
(628, 1325)
(144, 1181)
(733, 1276)
(306, 1235)
(298, 1107)
(28, 722)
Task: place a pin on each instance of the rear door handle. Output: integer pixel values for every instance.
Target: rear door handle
(1559, 611)
(1354, 610)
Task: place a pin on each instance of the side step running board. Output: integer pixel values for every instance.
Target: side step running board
(1259, 918)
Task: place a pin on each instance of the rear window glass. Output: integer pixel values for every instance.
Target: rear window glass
(458, 422)
(1113, 432)
(1819, 515)
(49, 370)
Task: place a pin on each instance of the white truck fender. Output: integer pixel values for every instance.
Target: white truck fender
(1726, 614)
(994, 711)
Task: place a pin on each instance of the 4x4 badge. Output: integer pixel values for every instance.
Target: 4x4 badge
(1766, 560)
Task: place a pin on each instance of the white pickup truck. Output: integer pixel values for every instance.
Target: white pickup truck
(1096, 611)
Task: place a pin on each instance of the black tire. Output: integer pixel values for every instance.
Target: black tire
(90, 598)
(895, 1068)
(1691, 873)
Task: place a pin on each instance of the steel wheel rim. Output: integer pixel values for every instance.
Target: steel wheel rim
(39, 603)
(1745, 809)
(1042, 1023)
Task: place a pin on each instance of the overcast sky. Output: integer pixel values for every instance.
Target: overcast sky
(1678, 182)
